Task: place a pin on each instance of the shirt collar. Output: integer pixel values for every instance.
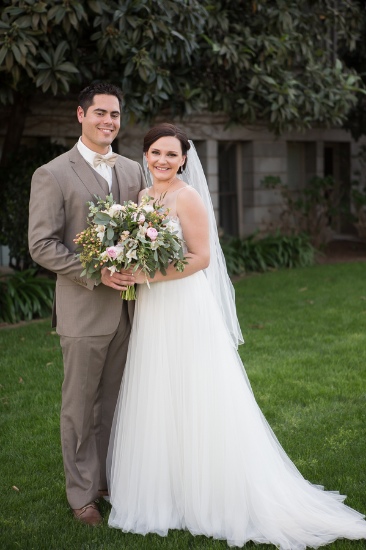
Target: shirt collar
(87, 153)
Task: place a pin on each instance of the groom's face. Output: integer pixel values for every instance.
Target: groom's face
(100, 123)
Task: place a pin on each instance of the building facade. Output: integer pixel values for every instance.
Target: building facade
(236, 160)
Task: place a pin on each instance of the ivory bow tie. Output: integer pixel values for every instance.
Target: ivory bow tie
(110, 161)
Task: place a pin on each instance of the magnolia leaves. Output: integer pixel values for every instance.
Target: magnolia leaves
(277, 63)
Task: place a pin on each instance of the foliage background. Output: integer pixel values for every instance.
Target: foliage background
(284, 64)
(15, 198)
(281, 63)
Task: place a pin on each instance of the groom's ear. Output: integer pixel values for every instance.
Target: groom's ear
(80, 114)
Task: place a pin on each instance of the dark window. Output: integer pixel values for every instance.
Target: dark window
(337, 163)
(228, 195)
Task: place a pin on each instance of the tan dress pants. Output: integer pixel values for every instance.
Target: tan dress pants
(93, 368)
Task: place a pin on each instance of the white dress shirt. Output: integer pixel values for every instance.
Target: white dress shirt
(103, 169)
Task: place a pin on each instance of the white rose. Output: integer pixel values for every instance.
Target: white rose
(114, 210)
(131, 254)
(148, 208)
(120, 252)
(155, 245)
(142, 231)
(101, 231)
(124, 236)
(171, 226)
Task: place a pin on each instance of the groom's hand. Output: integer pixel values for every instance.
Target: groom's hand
(118, 280)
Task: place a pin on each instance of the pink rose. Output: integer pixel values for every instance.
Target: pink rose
(112, 252)
(152, 233)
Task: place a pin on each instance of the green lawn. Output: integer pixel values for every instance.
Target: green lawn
(305, 355)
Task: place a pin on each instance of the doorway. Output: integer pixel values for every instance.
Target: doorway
(337, 163)
(228, 188)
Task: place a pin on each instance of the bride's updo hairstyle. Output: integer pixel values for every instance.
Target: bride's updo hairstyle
(163, 130)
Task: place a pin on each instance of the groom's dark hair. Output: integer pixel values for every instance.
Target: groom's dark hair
(86, 96)
(165, 129)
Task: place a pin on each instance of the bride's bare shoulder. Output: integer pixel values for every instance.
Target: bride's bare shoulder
(189, 191)
(189, 199)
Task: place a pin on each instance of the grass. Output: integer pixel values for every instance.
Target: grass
(305, 355)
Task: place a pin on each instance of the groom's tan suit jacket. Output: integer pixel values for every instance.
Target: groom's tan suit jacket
(58, 211)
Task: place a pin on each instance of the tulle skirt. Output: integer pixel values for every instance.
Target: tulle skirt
(190, 448)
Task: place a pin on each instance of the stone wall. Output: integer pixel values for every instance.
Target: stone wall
(259, 153)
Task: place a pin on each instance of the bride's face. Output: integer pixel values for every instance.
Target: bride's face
(164, 158)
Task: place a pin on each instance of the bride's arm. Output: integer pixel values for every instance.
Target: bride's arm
(193, 218)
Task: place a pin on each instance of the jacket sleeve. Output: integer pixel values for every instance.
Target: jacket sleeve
(46, 229)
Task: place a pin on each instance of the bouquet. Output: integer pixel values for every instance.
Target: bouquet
(128, 236)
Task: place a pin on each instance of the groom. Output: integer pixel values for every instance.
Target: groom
(92, 321)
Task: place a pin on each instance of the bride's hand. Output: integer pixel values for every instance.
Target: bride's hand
(139, 277)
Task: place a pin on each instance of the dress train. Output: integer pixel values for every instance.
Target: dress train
(191, 448)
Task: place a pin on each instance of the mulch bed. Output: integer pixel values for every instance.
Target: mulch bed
(338, 251)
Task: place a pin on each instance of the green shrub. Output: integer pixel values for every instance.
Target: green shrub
(14, 199)
(23, 296)
(270, 252)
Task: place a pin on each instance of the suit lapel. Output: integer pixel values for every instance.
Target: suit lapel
(85, 172)
(122, 179)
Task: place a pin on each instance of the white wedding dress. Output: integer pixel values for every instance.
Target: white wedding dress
(191, 448)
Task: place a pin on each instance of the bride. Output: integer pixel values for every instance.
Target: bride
(190, 447)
